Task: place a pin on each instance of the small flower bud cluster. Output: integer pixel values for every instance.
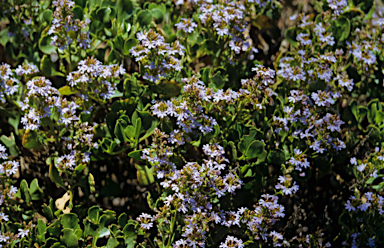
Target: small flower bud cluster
(257, 91)
(369, 167)
(8, 191)
(8, 84)
(364, 52)
(309, 123)
(7, 169)
(191, 110)
(78, 146)
(228, 21)
(44, 104)
(337, 6)
(309, 240)
(231, 241)
(191, 189)
(186, 25)
(358, 240)
(145, 220)
(158, 59)
(369, 201)
(260, 220)
(299, 161)
(285, 184)
(306, 109)
(95, 80)
(66, 29)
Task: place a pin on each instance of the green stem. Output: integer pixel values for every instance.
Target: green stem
(151, 243)
(234, 118)
(171, 231)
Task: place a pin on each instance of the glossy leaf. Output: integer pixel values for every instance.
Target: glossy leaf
(144, 17)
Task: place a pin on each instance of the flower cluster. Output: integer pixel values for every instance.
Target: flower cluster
(44, 105)
(260, 220)
(285, 184)
(145, 220)
(258, 90)
(8, 84)
(158, 58)
(79, 147)
(369, 168)
(192, 188)
(370, 200)
(228, 21)
(310, 239)
(95, 80)
(231, 241)
(337, 6)
(8, 191)
(359, 239)
(186, 25)
(66, 29)
(299, 161)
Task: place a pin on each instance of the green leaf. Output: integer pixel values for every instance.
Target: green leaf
(4, 37)
(93, 214)
(137, 129)
(119, 42)
(30, 140)
(276, 156)
(41, 228)
(130, 132)
(233, 151)
(144, 17)
(158, 15)
(246, 140)
(48, 67)
(218, 80)
(47, 16)
(55, 177)
(103, 14)
(78, 12)
(130, 235)
(25, 195)
(255, 149)
(69, 238)
(122, 221)
(48, 212)
(290, 35)
(67, 90)
(131, 42)
(343, 28)
(70, 220)
(92, 4)
(10, 143)
(112, 242)
(144, 175)
(45, 45)
(112, 56)
(205, 72)
(136, 155)
(170, 88)
(35, 191)
(124, 10)
(150, 130)
(120, 130)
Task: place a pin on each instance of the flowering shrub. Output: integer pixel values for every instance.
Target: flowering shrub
(182, 123)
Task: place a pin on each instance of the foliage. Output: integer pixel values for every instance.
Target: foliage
(196, 121)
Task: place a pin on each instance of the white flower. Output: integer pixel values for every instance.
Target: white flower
(22, 233)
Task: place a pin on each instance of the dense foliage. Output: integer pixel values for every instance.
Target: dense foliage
(191, 123)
